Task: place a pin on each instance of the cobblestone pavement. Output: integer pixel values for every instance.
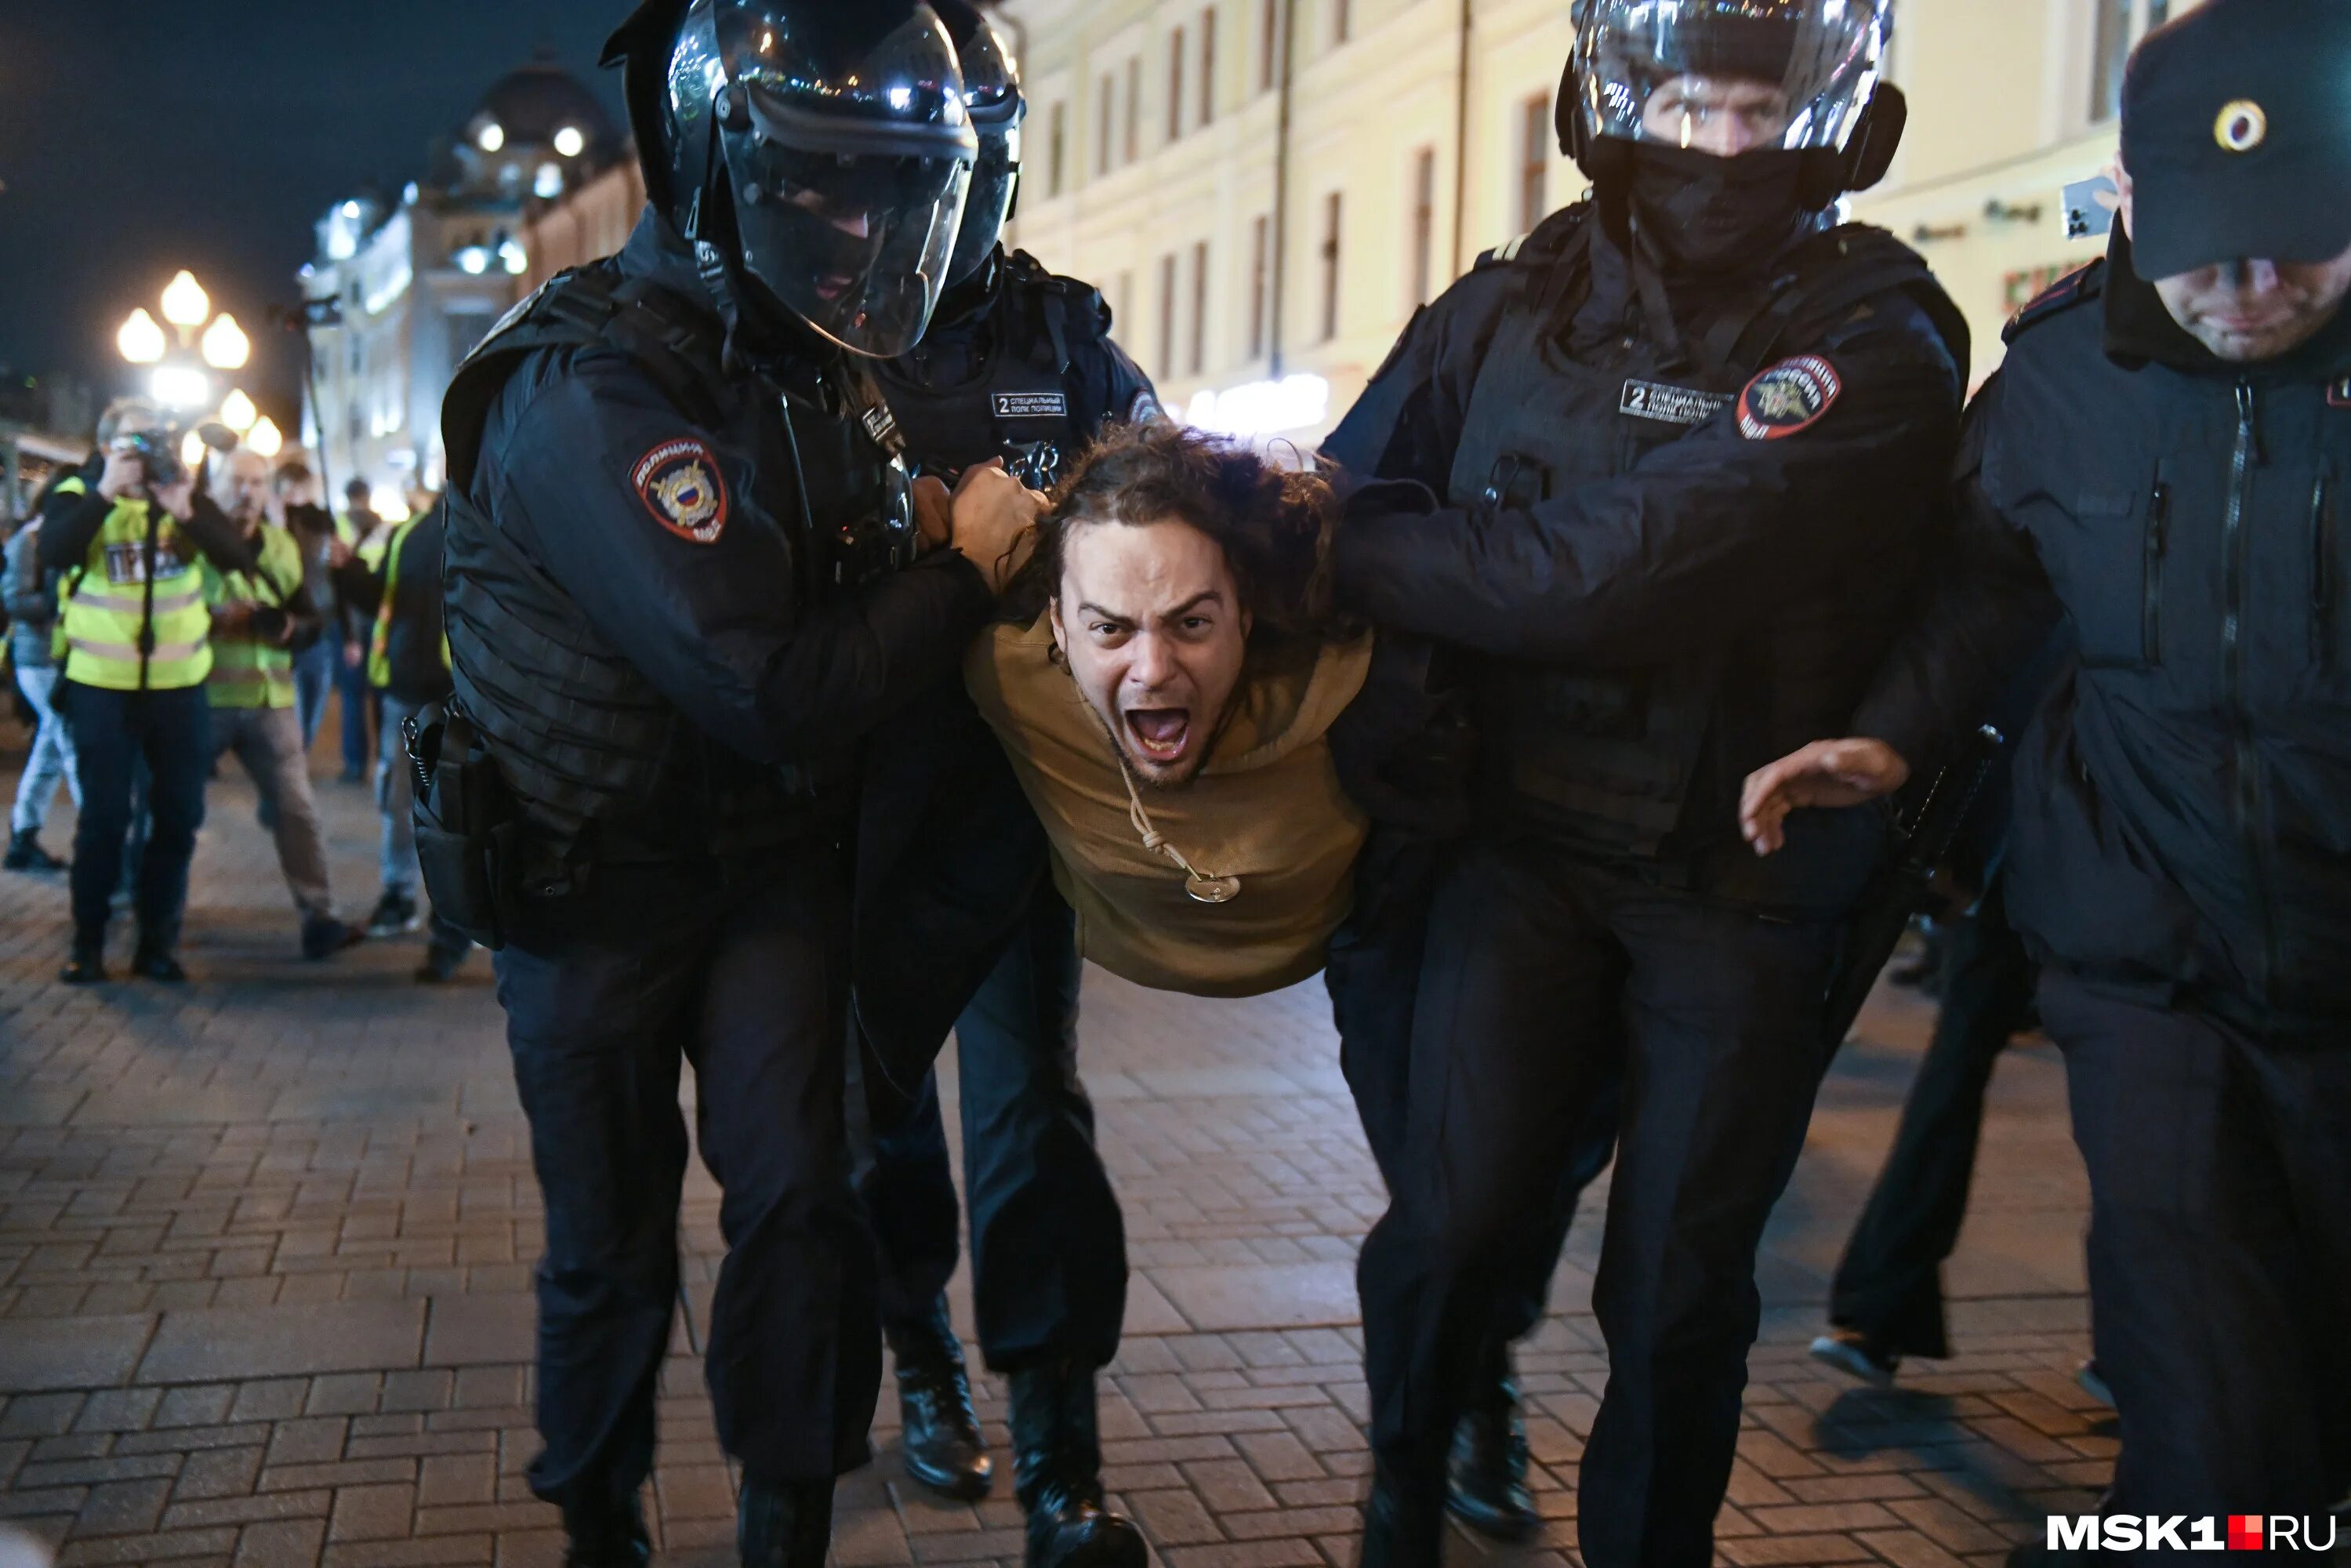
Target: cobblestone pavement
(266, 1247)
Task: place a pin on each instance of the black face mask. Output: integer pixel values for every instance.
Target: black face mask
(1698, 214)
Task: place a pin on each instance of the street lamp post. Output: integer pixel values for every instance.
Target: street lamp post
(182, 379)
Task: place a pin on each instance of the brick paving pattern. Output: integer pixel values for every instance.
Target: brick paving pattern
(266, 1247)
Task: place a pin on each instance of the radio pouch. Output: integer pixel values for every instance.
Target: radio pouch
(467, 826)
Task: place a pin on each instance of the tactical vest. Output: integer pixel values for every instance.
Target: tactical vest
(1026, 402)
(247, 672)
(133, 616)
(580, 736)
(1610, 761)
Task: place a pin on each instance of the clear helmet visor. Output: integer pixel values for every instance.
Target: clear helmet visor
(1728, 76)
(849, 149)
(993, 180)
(855, 246)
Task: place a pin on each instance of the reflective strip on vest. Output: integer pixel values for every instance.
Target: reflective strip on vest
(104, 622)
(378, 664)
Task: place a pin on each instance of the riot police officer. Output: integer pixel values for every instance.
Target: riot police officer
(1017, 367)
(682, 584)
(1676, 453)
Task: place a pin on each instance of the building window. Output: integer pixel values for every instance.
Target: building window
(1175, 84)
(1422, 255)
(1534, 160)
(1208, 65)
(1167, 365)
(1343, 22)
(1261, 268)
(1268, 43)
(1331, 215)
(1133, 108)
(1056, 146)
(2120, 26)
(1101, 146)
(1196, 357)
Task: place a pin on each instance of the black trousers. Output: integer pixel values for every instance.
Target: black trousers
(2220, 1251)
(1889, 1284)
(1536, 970)
(1373, 978)
(113, 733)
(741, 970)
(1048, 1243)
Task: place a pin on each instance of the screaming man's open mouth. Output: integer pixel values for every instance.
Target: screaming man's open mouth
(1160, 734)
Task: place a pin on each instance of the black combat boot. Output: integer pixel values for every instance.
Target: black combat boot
(153, 961)
(1057, 1471)
(607, 1533)
(784, 1526)
(1488, 1490)
(26, 853)
(86, 966)
(942, 1445)
(1398, 1534)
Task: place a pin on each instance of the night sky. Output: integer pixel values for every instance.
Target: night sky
(138, 138)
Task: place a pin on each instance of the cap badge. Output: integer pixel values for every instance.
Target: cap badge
(2242, 126)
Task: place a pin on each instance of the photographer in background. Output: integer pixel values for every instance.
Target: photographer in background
(257, 617)
(125, 533)
(31, 598)
(408, 668)
(295, 508)
(364, 534)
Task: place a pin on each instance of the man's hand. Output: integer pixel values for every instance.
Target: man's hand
(994, 518)
(124, 473)
(339, 554)
(1827, 773)
(235, 615)
(351, 654)
(179, 499)
(934, 513)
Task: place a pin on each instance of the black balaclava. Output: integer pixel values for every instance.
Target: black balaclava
(1698, 216)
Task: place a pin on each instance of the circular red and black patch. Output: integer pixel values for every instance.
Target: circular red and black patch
(680, 485)
(1790, 396)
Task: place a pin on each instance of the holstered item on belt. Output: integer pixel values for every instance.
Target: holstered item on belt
(467, 826)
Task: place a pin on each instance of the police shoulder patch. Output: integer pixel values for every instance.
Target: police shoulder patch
(1789, 397)
(1144, 409)
(680, 484)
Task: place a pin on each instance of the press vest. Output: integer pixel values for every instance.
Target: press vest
(134, 617)
(582, 737)
(248, 673)
(1025, 402)
(1609, 759)
(379, 661)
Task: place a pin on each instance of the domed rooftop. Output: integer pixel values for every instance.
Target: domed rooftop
(533, 105)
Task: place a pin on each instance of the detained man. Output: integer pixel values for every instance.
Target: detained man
(1165, 684)
(2160, 460)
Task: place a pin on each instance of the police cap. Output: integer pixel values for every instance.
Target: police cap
(2237, 136)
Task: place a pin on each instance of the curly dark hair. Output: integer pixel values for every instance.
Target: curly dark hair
(1274, 524)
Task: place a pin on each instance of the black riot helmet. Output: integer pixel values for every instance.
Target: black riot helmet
(992, 91)
(820, 149)
(1799, 75)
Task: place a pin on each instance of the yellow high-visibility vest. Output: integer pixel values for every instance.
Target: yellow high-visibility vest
(247, 672)
(134, 617)
(379, 665)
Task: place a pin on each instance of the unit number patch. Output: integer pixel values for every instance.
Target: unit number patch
(680, 485)
(1791, 396)
(1031, 406)
(1669, 405)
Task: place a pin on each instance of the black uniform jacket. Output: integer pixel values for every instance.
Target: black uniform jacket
(1689, 547)
(706, 610)
(1018, 365)
(2183, 799)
